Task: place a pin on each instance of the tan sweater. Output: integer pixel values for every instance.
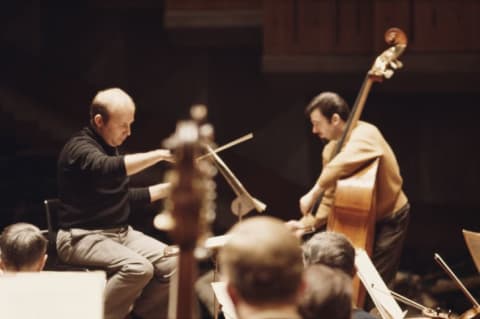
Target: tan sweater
(365, 144)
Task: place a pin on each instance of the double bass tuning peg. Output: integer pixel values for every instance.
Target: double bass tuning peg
(388, 74)
(396, 64)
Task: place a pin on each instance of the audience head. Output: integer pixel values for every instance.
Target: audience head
(328, 294)
(331, 249)
(262, 263)
(22, 248)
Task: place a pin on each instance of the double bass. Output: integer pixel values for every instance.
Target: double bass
(353, 213)
(354, 207)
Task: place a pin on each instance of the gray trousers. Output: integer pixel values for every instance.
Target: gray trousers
(138, 273)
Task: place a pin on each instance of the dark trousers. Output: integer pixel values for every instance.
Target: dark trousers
(390, 234)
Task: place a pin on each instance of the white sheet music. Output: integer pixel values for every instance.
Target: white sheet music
(52, 295)
(376, 288)
(220, 290)
(217, 241)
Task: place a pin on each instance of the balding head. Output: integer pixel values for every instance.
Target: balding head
(110, 100)
(111, 113)
(262, 261)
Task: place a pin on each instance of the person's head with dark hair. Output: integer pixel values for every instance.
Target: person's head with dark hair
(112, 112)
(22, 248)
(262, 263)
(329, 103)
(328, 294)
(328, 113)
(331, 249)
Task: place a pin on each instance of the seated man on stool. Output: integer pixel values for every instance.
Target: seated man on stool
(95, 194)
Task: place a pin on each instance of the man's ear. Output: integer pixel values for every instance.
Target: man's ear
(2, 265)
(335, 119)
(42, 262)
(98, 120)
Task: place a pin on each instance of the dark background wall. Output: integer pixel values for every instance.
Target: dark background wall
(55, 55)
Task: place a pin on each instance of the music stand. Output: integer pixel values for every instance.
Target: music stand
(221, 294)
(473, 243)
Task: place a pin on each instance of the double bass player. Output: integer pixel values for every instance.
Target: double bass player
(328, 113)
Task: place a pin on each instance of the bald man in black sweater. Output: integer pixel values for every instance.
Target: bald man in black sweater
(93, 180)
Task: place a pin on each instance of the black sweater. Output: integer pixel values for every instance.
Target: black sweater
(93, 184)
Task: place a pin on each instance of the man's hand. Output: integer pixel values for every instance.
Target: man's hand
(159, 191)
(306, 203)
(308, 200)
(296, 227)
(166, 155)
